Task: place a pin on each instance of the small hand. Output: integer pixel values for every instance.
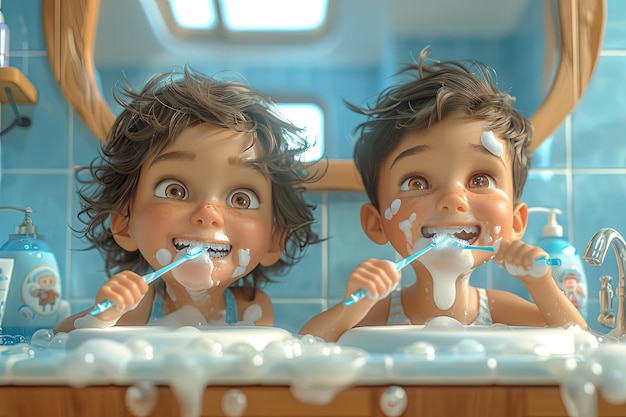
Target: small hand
(377, 277)
(125, 289)
(519, 259)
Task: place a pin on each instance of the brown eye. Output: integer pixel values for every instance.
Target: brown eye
(171, 189)
(482, 181)
(243, 199)
(415, 183)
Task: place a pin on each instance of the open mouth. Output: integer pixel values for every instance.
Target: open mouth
(465, 234)
(215, 250)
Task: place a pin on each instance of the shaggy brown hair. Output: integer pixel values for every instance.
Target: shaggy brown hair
(433, 93)
(152, 119)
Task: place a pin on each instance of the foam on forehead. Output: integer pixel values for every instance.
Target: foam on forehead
(490, 142)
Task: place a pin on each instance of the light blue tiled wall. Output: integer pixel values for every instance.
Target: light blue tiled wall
(581, 169)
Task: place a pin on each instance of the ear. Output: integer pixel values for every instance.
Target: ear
(520, 221)
(372, 224)
(276, 249)
(119, 228)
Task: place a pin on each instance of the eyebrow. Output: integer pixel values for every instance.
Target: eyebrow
(484, 151)
(189, 156)
(408, 152)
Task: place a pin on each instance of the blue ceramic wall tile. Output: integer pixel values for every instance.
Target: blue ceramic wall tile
(24, 20)
(551, 154)
(292, 316)
(615, 30)
(85, 145)
(598, 120)
(43, 144)
(348, 245)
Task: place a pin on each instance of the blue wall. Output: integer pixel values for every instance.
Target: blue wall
(580, 169)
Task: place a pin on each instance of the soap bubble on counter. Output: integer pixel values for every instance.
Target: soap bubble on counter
(95, 359)
(469, 348)
(420, 349)
(140, 348)
(444, 323)
(317, 376)
(141, 399)
(234, 403)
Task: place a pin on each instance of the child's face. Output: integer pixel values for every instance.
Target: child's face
(199, 189)
(449, 179)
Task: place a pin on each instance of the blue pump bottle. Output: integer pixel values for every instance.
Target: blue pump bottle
(570, 275)
(30, 285)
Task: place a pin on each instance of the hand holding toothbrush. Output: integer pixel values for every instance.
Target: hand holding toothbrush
(538, 264)
(524, 261)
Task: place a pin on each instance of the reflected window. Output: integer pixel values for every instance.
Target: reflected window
(250, 15)
(309, 117)
(194, 14)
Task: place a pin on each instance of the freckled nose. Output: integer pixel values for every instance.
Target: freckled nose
(207, 214)
(453, 199)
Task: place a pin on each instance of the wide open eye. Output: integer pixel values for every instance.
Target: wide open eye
(243, 199)
(415, 183)
(482, 181)
(171, 189)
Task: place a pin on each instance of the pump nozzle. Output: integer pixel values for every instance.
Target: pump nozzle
(27, 226)
(552, 228)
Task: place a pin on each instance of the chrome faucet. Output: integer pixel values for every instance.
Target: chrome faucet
(594, 255)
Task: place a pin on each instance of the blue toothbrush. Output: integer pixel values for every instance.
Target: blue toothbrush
(445, 240)
(192, 253)
(360, 294)
(549, 261)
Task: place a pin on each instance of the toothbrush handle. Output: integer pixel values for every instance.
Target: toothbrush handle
(360, 294)
(355, 297)
(152, 276)
(101, 307)
(549, 261)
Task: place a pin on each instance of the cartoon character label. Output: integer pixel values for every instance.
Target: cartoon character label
(41, 292)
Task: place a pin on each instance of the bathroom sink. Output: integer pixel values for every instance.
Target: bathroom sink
(444, 336)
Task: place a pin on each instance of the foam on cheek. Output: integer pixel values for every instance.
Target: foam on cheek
(163, 257)
(244, 261)
(490, 143)
(495, 234)
(393, 209)
(406, 226)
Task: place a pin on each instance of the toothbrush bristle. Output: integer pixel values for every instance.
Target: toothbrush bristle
(194, 249)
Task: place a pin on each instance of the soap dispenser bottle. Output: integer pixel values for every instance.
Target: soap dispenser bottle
(30, 285)
(570, 275)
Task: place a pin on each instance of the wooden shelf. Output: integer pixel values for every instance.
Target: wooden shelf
(22, 90)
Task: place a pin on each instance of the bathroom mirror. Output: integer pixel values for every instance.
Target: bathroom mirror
(571, 48)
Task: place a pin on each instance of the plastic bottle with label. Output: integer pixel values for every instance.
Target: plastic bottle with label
(570, 275)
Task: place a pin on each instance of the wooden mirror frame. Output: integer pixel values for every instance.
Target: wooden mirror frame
(70, 28)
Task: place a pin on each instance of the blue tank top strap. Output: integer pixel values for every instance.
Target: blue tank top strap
(396, 311)
(231, 307)
(157, 308)
(484, 313)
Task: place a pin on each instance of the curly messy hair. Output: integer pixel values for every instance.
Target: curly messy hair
(433, 93)
(152, 119)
